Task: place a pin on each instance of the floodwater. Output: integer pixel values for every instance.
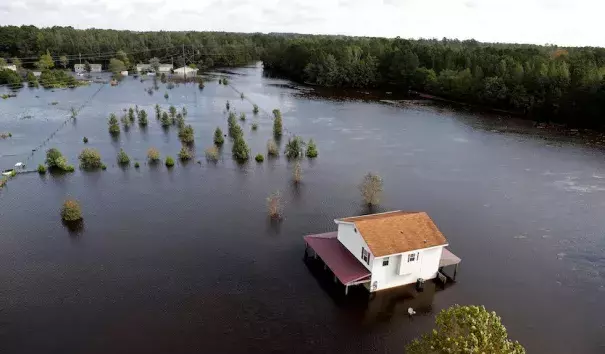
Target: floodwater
(186, 261)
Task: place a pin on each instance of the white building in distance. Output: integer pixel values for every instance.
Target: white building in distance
(94, 68)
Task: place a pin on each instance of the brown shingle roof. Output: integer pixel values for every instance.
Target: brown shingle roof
(397, 232)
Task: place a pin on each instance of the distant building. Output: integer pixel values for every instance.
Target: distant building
(186, 71)
(384, 250)
(163, 68)
(94, 68)
(124, 73)
(37, 73)
(9, 67)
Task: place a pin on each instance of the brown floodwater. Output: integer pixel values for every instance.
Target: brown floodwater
(186, 261)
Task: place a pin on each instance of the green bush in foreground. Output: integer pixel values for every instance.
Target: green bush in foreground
(90, 159)
(153, 155)
(41, 169)
(165, 121)
(212, 154)
(187, 135)
(123, 158)
(103, 167)
(185, 153)
(240, 149)
(56, 160)
(143, 118)
(242, 116)
(169, 161)
(294, 148)
(85, 140)
(136, 165)
(466, 329)
(311, 149)
(255, 109)
(71, 210)
(166, 95)
(259, 158)
(254, 126)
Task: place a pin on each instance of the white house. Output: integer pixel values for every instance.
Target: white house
(9, 67)
(186, 71)
(94, 68)
(384, 250)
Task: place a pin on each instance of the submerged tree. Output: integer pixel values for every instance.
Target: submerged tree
(311, 149)
(153, 155)
(64, 61)
(466, 329)
(114, 128)
(90, 159)
(255, 109)
(71, 210)
(371, 189)
(297, 173)
(185, 153)
(240, 149)
(186, 135)
(294, 148)
(123, 158)
(158, 112)
(277, 124)
(212, 154)
(143, 117)
(274, 205)
(165, 121)
(218, 137)
(272, 149)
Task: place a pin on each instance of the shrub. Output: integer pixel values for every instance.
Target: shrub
(113, 119)
(466, 329)
(158, 112)
(180, 121)
(153, 155)
(236, 131)
(371, 189)
(272, 149)
(169, 161)
(274, 204)
(311, 149)
(255, 109)
(242, 116)
(225, 82)
(227, 105)
(165, 121)
(201, 86)
(85, 140)
(143, 117)
(131, 114)
(185, 153)
(240, 149)
(54, 158)
(297, 173)
(114, 129)
(212, 153)
(90, 159)
(220, 81)
(41, 169)
(123, 158)
(166, 95)
(218, 137)
(71, 210)
(241, 95)
(68, 168)
(254, 126)
(136, 165)
(187, 135)
(125, 121)
(259, 158)
(277, 124)
(103, 167)
(74, 112)
(294, 148)
(172, 111)
(184, 111)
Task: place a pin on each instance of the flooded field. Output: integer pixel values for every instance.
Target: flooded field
(185, 260)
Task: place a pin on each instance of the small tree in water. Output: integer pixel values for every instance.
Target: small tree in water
(255, 109)
(294, 148)
(218, 137)
(277, 124)
(123, 158)
(466, 329)
(297, 173)
(227, 105)
(371, 189)
(311, 149)
(153, 155)
(90, 159)
(240, 149)
(165, 121)
(185, 153)
(158, 112)
(275, 206)
(143, 117)
(71, 210)
(186, 135)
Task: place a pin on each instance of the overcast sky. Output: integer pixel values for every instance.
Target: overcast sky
(564, 22)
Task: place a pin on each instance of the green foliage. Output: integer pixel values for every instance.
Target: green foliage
(32, 80)
(275, 205)
(294, 148)
(259, 158)
(116, 66)
(163, 78)
(212, 154)
(90, 159)
(272, 149)
(64, 61)
(240, 149)
(255, 109)
(71, 210)
(185, 153)
(218, 137)
(241, 95)
(169, 161)
(180, 121)
(41, 169)
(165, 121)
(166, 95)
(136, 165)
(201, 86)
(311, 149)
(87, 67)
(172, 111)
(155, 64)
(225, 81)
(56, 160)
(242, 116)
(143, 118)
(186, 135)
(277, 124)
(254, 126)
(184, 111)
(74, 113)
(11, 78)
(158, 112)
(371, 189)
(85, 140)
(103, 167)
(234, 129)
(466, 329)
(153, 155)
(123, 158)
(46, 61)
(227, 105)
(57, 79)
(131, 114)
(125, 122)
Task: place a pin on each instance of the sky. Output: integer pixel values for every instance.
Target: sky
(562, 22)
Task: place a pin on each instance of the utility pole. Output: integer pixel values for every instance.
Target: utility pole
(184, 66)
(80, 56)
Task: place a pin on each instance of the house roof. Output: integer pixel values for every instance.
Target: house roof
(397, 232)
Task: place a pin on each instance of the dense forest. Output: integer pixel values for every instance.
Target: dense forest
(546, 82)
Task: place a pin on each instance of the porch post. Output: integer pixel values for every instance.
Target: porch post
(455, 271)
(346, 290)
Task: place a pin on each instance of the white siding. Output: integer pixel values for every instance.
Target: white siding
(354, 242)
(389, 276)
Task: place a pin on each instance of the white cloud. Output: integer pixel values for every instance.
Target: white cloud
(526, 21)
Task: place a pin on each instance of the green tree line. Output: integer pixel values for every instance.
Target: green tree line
(548, 82)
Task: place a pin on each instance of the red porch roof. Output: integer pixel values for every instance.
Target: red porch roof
(342, 263)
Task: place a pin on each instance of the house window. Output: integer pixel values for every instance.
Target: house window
(411, 257)
(385, 261)
(365, 255)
